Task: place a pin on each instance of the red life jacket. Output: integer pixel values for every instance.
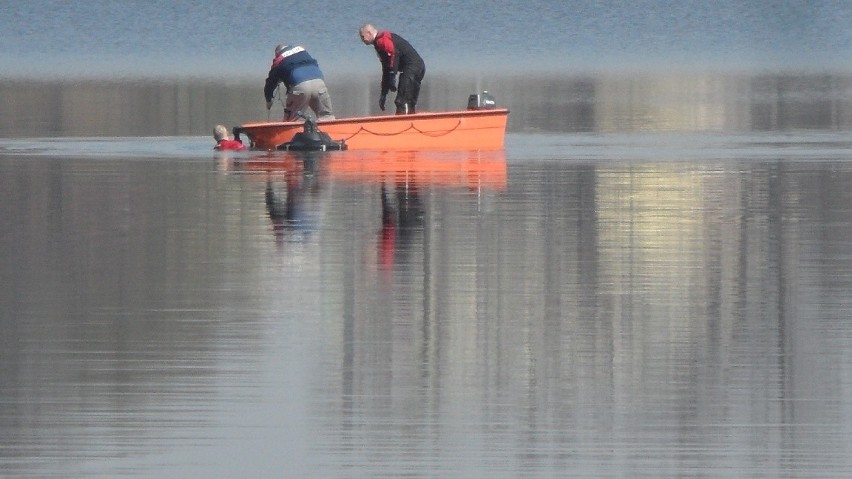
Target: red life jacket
(229, 145)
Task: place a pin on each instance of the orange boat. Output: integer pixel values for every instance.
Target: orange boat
(466, 169)
(472, 129)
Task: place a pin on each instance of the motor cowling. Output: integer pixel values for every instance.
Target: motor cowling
(481, 101)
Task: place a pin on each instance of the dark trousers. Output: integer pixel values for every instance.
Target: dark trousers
(408, 90)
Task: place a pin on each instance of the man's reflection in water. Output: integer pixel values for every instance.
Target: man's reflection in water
(289, 196)
(402, 218)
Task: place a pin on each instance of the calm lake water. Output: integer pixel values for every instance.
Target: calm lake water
(668, 305)
(652, 279)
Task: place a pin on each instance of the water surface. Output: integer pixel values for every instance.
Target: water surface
(663, 313)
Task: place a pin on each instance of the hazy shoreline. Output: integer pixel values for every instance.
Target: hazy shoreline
(583, 102)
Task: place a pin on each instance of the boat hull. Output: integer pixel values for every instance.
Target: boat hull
(454, 130)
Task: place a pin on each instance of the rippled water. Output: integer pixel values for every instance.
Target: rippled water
(637, 308)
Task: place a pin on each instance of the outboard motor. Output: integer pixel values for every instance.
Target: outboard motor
(311, 139)
(481, 101)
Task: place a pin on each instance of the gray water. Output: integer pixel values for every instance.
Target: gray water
(603, 315)
(651, 280)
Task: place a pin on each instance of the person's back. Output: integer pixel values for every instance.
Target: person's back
(291, 66)
(304, 81)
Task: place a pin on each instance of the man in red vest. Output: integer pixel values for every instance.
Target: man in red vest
(396, 56)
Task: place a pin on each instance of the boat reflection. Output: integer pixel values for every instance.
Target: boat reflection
(297, 186)
(468, 169)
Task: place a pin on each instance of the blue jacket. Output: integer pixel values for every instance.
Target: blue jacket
(293, 66)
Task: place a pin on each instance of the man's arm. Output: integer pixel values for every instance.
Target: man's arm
(387, 52)
(269, 86)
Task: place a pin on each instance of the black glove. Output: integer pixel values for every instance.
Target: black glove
(382, 99)
(389, 82)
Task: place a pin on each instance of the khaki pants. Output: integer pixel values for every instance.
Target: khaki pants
(310, 93)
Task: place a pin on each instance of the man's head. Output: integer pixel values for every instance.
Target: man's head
(220, 133)
(368, 33)
(280, 49)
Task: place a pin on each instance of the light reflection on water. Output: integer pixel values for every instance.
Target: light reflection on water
(360, 315)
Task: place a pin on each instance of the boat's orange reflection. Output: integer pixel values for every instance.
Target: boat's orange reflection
(270, 162)
(294, 181)
(466, 169)
(452, 169)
